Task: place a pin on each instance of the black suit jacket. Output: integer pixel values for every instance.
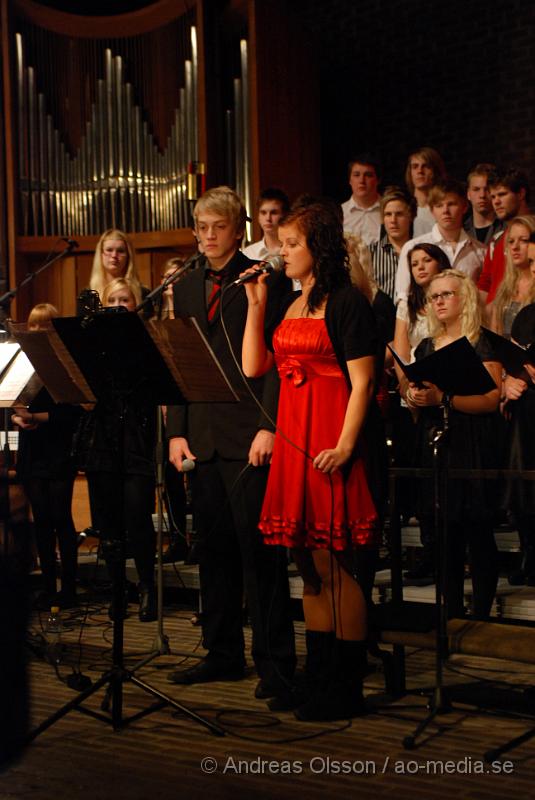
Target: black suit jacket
(225, 428)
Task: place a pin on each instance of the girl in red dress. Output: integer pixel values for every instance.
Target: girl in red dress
(317, 500)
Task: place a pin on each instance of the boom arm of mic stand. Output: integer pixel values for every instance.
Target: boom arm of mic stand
(162, 287)
(8, 296)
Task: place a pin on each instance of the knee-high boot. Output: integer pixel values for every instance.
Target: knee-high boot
(342, 697)
(314, 679)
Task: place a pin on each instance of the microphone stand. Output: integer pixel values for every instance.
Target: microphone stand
(6, 298)
(191, 263)
(439, 703)
(161, 643)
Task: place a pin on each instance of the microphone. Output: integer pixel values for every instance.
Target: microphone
(70, 242)
(187, 464)
(271, 264)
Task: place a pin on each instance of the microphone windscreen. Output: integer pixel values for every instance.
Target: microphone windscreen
(276, 262)
(187, 464)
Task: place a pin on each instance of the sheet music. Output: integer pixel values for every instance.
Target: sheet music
(15, 379)
(8, 350)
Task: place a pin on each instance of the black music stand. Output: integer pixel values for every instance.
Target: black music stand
(456, 370)
(122, 360)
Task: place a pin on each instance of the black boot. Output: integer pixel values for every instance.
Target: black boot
(319, 648)
(342, 698)
(148, 607)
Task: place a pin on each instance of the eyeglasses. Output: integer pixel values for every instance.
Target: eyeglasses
(434, 298)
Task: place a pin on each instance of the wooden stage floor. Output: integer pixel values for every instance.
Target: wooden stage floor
(166, 755)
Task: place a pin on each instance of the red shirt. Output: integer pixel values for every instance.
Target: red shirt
(493, 267)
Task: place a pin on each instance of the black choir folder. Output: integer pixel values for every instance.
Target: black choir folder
(455, 368)
(511, 355)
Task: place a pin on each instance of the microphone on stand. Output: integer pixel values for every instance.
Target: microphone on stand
(271, 264)
(157, 293)
(71, 243)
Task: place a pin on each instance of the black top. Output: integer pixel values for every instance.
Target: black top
(474, 441)
(98, 442)
(385, 314)
(47, 451)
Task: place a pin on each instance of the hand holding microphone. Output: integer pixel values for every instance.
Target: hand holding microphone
(180, 456)
(271, 264)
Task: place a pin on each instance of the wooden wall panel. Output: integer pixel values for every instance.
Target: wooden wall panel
(285, 117)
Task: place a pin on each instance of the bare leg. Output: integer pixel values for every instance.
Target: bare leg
(340, 598)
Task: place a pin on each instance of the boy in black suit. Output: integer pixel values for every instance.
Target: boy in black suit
(231, 444)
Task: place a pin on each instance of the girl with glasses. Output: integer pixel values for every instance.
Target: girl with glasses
(473, 442)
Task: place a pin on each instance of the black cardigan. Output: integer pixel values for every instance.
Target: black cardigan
(350, 324)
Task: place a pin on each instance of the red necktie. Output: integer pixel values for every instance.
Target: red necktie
(215, 295)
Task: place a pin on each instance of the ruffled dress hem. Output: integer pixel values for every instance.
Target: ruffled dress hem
(294, 534)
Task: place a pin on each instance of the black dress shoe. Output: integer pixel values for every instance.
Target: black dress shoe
(282, 694)
(206, 672)
(264, 690)
(148, 607)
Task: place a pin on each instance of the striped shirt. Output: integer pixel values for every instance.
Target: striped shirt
(385, 264)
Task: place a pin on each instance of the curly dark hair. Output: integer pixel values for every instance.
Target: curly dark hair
(416, 297)
(322, 227)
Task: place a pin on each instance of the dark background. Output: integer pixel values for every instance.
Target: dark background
(398, 74)
(394, 75)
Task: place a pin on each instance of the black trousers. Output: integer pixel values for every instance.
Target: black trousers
(51, 499)
(484, 565)
(125, 513)
(233, 558)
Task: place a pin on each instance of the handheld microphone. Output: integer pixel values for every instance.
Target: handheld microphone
(271, 264)
(187, 464)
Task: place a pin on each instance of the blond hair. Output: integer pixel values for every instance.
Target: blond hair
(509, 285)
(121, 283)
(471, 316)
(224, 201)
(360, 266)
(41, 314)
(99, 279)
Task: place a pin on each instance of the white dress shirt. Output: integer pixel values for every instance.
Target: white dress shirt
(258, 250)
(364, 222)
(423, 221)
(466, 255)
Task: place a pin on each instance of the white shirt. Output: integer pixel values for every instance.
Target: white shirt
(465, 255)
(415, 332)
(258, 250)
(364, 222)
(423, 221)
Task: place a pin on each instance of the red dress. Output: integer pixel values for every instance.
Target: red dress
(299, 509)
